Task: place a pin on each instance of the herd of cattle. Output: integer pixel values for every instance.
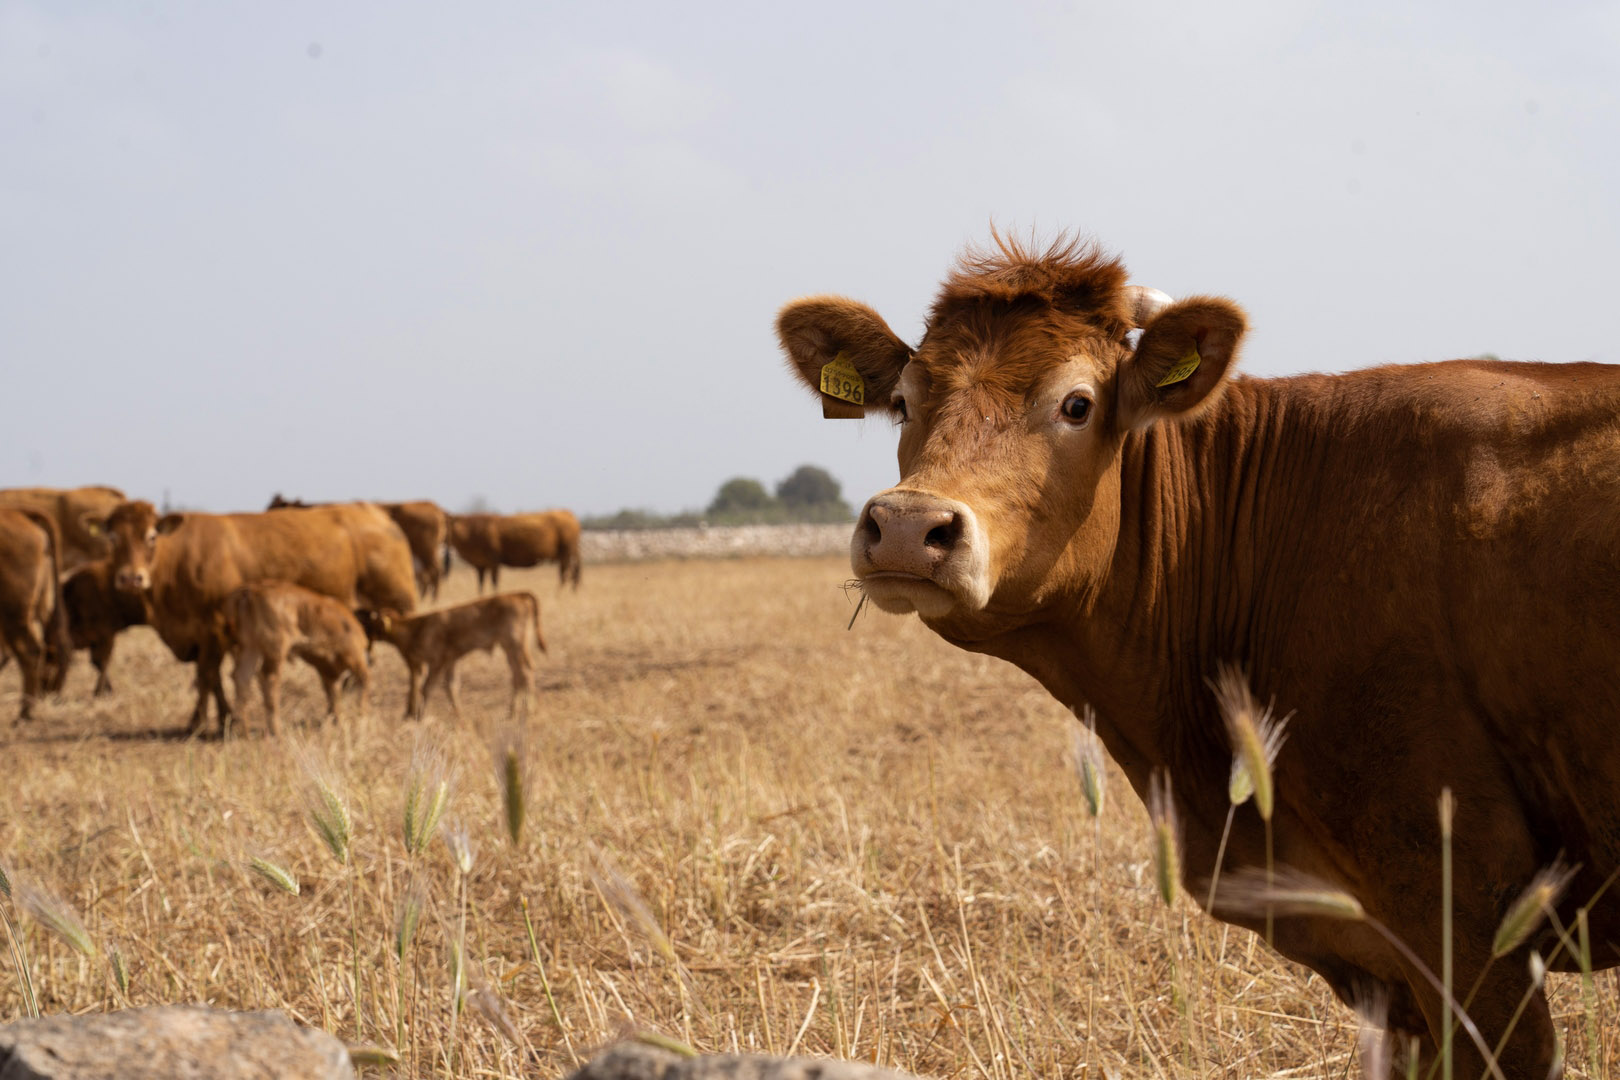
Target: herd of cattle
(318, 582)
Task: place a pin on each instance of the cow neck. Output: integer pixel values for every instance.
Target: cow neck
(1204, 541)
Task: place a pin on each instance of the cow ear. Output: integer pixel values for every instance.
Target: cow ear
(169, 522)
(1181, 361)
(94, 524)
(844, 351)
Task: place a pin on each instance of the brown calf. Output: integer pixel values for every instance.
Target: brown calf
(268, 621)
(30, 597)
(437, 640)
(97, 611)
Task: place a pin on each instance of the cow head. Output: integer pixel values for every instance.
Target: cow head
(133, 529)
(1012, 413)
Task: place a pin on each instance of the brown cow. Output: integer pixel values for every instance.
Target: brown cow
(67, 507)
(1419, 562)
(488, 542)
(267, 621)
(189, 563)
(31, 612)
(97, 612)
(436, 640)
(425, 525)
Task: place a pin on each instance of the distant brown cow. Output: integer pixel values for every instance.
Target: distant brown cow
(268, 621)
(30, 597)
(67, 507)
(97, 612)
(187, 564)
(488, 542)
(425, 525)
(435, 641)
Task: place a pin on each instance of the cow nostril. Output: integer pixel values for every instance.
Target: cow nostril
(873, 533)
(944, 536)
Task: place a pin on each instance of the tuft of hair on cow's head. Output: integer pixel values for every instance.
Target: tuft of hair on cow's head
(1013, 408)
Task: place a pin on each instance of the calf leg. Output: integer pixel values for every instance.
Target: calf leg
(522, 666)
(248, 662)
(270, 688)
(413, 698)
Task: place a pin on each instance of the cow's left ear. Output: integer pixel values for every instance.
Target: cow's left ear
(1181, 361)
(169, 522)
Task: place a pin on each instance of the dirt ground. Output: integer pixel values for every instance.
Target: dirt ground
(744, 826)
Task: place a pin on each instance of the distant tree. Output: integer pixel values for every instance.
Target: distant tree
(740, 493)
(478, 505)
(809, 485)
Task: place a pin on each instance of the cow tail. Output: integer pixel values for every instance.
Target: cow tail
(534, 611)
(60, 633)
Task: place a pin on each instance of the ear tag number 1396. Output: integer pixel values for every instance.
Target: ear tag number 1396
(839, 379)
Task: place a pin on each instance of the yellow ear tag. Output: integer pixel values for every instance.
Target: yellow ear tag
(839, 379)
(1182, 371)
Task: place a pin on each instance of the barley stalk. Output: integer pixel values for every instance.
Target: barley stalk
(54, 914)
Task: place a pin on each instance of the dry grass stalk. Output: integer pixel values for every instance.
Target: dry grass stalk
(460, 844)
(407, 917)
(1251, 892)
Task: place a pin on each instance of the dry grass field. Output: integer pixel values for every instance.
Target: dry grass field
(746, 828)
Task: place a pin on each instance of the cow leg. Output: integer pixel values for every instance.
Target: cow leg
(495, 578)
(330, 673)
(450, 690)
(101, 656)
(413, 698)
(362, 678)
(30, 654)
(210, 656)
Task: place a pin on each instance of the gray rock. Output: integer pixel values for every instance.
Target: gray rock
(638, 1061)
(172, 1042)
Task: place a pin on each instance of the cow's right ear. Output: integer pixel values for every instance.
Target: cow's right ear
(844, 351)
(170, 522)
(94, 524)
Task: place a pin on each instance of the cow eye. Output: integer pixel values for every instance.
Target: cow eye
(898, 404)
(1076, 408)
(151, 538)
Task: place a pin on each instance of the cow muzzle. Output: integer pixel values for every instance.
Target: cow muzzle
(133, 580)
(919, 552)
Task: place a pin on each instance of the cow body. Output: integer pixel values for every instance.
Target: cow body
(68, 508)
(31, 614)
(97, 612)
(487, 542)
(434, 641)
(426, 529)
(188, 564)
(1420, 563)
(268, 621)
(425, 525)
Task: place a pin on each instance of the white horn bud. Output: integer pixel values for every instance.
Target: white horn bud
(1145, 303)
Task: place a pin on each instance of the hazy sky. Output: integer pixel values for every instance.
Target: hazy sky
(534, 251)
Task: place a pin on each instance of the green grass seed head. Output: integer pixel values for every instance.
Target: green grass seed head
(1166, 849)
(1257, 737)
(512, 774)
(120, 971)
(1088, 762)
(5, 882)
(54, 915)
(1526, 913)
(327, 809)
(276, 875)
(427, 796)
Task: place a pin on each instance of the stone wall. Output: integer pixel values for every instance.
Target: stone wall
(714, 542)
